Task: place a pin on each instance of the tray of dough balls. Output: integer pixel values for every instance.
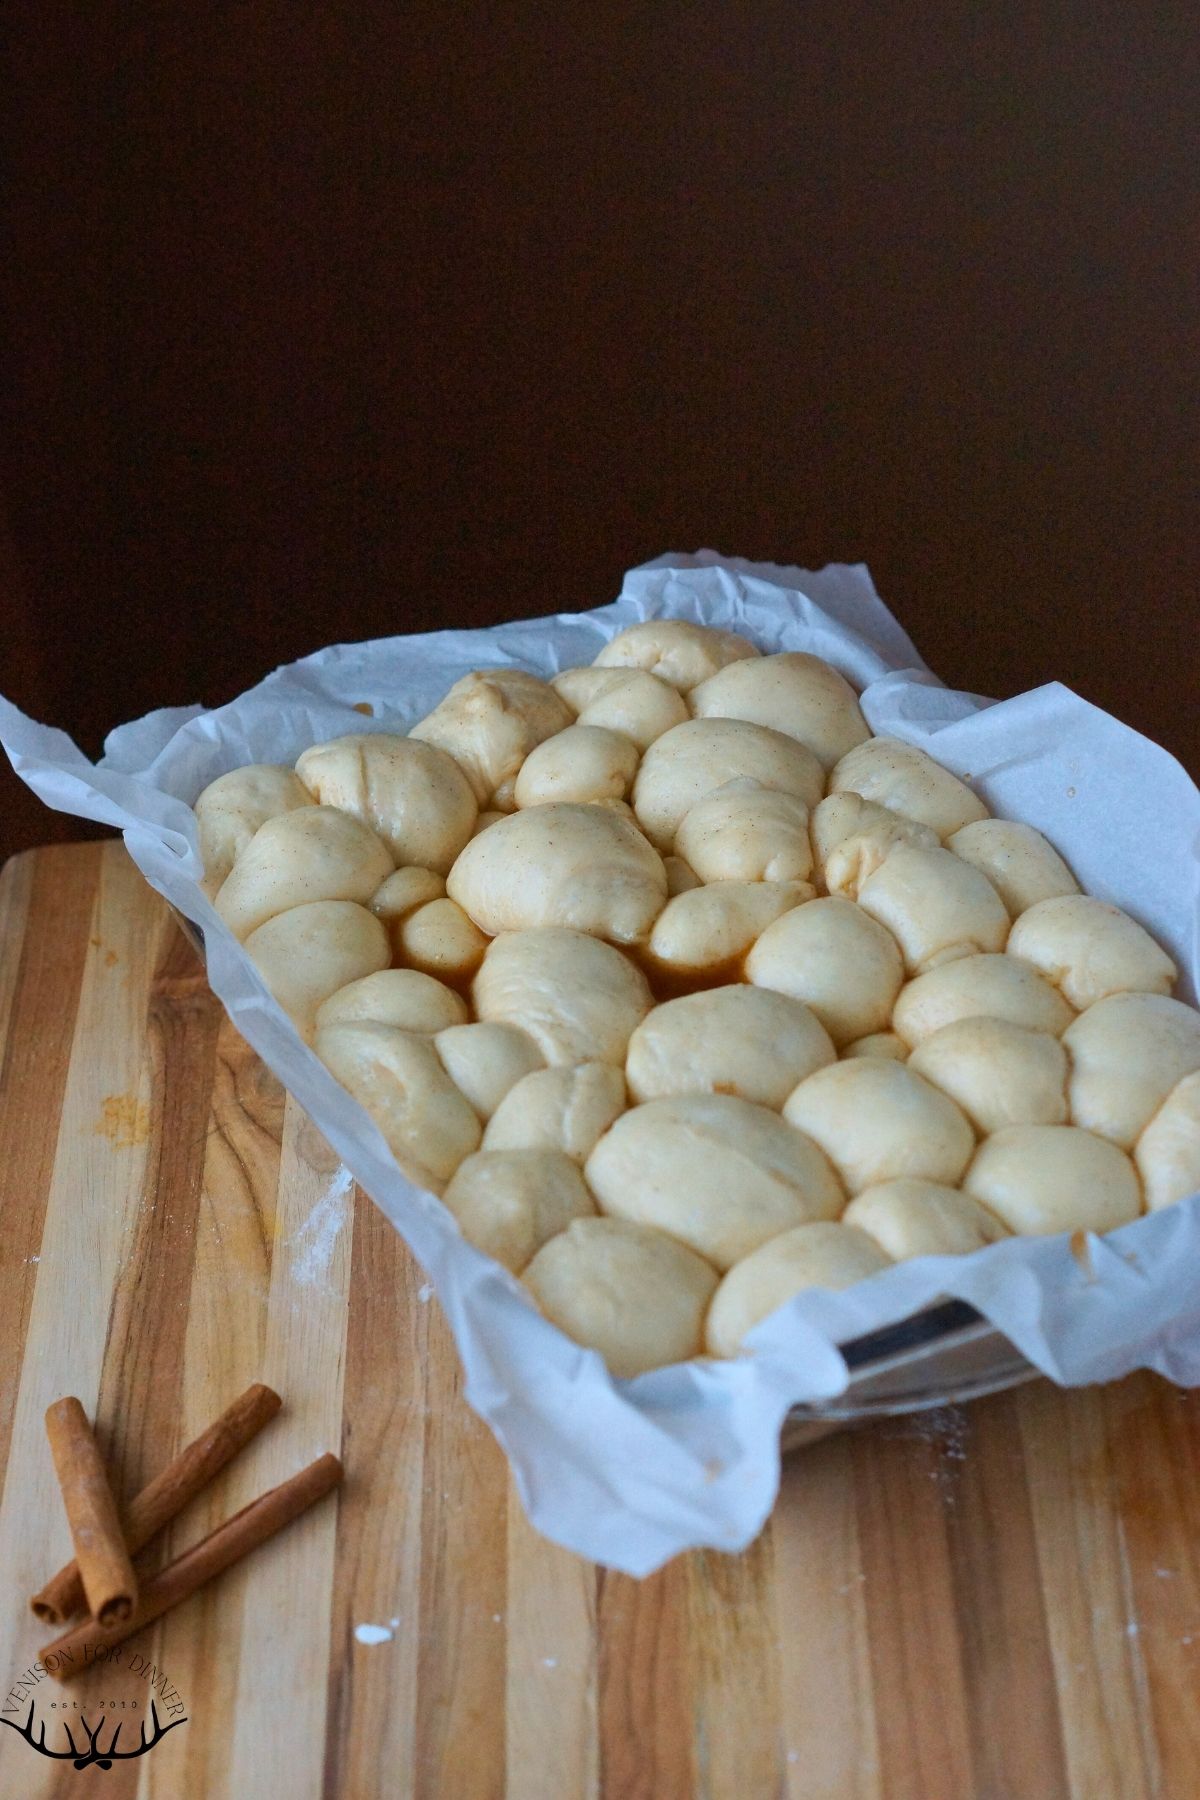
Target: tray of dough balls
(720, 1007)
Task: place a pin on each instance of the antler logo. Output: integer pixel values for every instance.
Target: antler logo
(94, 1756)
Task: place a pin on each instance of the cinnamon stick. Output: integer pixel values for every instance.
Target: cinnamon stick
(109, 1583)
(168, 1494)
(73, 1652)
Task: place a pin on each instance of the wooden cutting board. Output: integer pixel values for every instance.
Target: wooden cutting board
(1001, 1601)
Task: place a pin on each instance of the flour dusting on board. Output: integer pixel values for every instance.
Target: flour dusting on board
(316, 1240)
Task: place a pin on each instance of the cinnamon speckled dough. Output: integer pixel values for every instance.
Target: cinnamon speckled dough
(878, 1043)
(314, 853)
(675, 651)
(489, 722)
(1089, 950)
(838, 960)
(1042, 1179)
(923, 1218)
(878, 1120)
(744, 832)
(681, 877)
(999, 1073)
(1168, 1151)
(565, 1108)
(485, 1060)
(307, 953)
(936, 906)
(707, 928)
(581, 867)
(412, 795)
(792, 692)
(631, 1293)
(584, 762)
(231, 809)
(440, 939)
(631, 701)
(578, 998)
(1127, 1053)
(720, 1174)
(405, 998)
(998, 987)
(691, 761)
(908, 781)
(809, 1256)
(727, 1040)
(398, 1078)
(852, 836)
(1020, 863)
(509, 1203)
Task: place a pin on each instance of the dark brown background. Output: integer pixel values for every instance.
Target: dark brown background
(327, 321)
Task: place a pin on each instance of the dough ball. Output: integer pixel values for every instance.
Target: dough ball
(581, 867)
(1168, 1151)
(679, 653)
(743, 832)
(401, 997)
(509, 1203)
(484, 1061)
(709, 929)
(997, 987)
(794, 693)
(877, 1120)
(937, 907)
(309, 952)
(878, 1043)
(412, 795)
(718, 1173)
(638, 705)
(399, 1080)
(835, 958)
(1018, 861)
(440, 939)
(922, 1218)
(809, 1256)
(681, 878)
(1042, 1179)
(1127, 1053)
(1090, 950)
(999, 1073)
(685, 765)
(631, 1293)
(404, 891)
(907, 781)
(231, 809)
(582, 763)
(578, 998)
(566, 1108)
(489, 722)
(485, 819)
(314, 853)
(852, 836)
(737, 1040)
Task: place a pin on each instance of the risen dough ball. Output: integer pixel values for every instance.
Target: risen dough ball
(567, 1109)
(412, 795)
(878, 1043)
(877, 1120)
(578, 999)
(485, 819)
(852, 836)
(937, 907)
(401, 997)
(398, 1078)
(231, 809)
(835, 958)
(309, 952)
(440, 939)
(906, 780)
(922, 1218)
(404, 891)
(511, 1202)
(708, 928)
(1041, 1179)
(638, 705)
(1127, 1053)
(1090, 950)
(681, 878)
(997, 987)
(746, 833)
(315, 853)
(682, 654)
(489, 722)
(584, 762)
(999, 1073)
(793, 693)
(809, 1256)
(484, 1061)
(727, 1040)
(1168, 1151)
(1018, 861)
(634, 1295)
(718, 1173)
(687, 764)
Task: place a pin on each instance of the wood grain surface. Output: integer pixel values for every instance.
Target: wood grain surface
(993, 1603)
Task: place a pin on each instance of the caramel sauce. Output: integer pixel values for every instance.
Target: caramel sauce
(670, 981)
